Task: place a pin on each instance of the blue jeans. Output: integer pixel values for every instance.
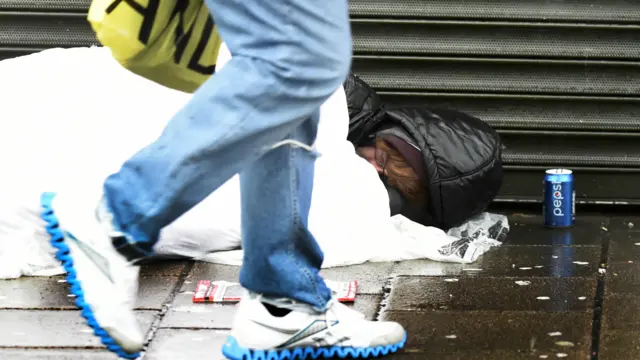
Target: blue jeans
(289, 56)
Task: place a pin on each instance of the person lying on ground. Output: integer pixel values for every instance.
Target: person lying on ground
(58, 126)
(352, 199)
(445, 164)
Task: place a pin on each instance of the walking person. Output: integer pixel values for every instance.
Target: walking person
(258, 117)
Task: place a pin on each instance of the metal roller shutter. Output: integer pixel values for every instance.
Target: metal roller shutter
(560, 80)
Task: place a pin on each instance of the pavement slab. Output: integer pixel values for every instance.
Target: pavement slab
(38, 328)
(371, 276)
(534, 297)
(175, 344)
(623, 222)
(164, 268)
(623, 264)
(481, 355)
(60, 354)
(624, 245)
(620, 330)
(52, 293)
(450, 332)
(183, 313)
(528, 230)
(489, 293)
(35, 293)
(515, 261)
(621, 312)
(619, 345)
(208, 271)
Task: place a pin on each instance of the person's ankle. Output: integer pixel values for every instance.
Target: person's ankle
(119, 239)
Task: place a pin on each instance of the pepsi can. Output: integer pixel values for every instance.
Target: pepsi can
(559, 198)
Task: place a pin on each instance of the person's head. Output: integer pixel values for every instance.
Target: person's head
(395, 168)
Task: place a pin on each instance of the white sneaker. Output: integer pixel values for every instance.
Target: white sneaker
(103, 281)
(340, 332)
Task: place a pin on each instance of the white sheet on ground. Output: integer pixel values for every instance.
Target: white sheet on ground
(72, 116)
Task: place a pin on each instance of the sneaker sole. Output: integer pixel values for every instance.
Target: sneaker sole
(233, 351)
(62, 254)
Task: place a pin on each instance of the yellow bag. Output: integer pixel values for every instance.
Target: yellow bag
(172, 42)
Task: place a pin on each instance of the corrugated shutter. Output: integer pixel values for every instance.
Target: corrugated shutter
(560, 80)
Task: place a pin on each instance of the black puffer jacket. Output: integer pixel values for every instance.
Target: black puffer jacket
(462, 154)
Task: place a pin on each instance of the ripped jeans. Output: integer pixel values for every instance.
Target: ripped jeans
(289, 56)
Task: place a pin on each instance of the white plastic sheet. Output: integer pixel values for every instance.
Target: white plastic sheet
(72, 116)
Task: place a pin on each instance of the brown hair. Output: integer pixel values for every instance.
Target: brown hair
(401, 175)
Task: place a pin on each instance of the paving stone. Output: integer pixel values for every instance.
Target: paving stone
(529, 230)
(35, 293)
(515, 261)
(185, 314)
(453, 332)
(476, 355)
(52, 293)
(164, 268)
(619, 345)
(154, 291)
(622, 278)
(488, 293)
(42, 354)
(622, 246)
(621, 312)
(371, 277)
(629, 223)
(209, 271)
(171, 344)
(35, 328)
(623, 263)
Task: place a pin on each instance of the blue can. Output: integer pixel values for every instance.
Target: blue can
(559, 208)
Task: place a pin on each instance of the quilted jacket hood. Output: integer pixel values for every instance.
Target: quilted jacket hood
(461, 153)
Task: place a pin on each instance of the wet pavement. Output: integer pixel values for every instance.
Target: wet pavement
(544, 294)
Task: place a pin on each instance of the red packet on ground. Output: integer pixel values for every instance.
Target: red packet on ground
(217, 292)
(228, 292)
(344, 291)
